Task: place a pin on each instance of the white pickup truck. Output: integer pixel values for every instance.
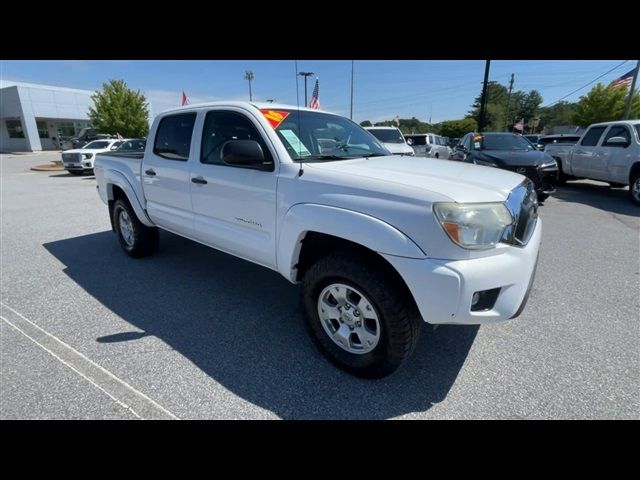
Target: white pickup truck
(609, 152)
(380, 243)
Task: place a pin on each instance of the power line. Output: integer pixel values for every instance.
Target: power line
(597, 78)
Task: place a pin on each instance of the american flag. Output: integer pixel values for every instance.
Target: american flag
(624, 80)
(315, 101)
(519, 124)
(185, 99)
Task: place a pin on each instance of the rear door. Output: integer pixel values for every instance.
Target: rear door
(611, 162)
(583, 153)
(234, 207)
(165, 174)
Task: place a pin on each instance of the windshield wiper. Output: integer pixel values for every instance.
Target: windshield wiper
(325, 157)
(369, 155)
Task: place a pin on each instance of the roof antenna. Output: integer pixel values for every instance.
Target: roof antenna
(300, 171)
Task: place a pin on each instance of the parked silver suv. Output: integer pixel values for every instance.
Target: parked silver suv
(428, 145)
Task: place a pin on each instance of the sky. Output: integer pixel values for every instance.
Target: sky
(430, 90)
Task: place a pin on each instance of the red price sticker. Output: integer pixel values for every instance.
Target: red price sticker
(274, 117)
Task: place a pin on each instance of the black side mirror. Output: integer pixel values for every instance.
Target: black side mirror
(461, 148)
(245, 153)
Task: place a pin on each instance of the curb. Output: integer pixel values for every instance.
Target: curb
(52, 167)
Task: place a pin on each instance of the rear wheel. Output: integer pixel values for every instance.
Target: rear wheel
(135, 238)
(360, 320)
(437, 155)
(634, 188)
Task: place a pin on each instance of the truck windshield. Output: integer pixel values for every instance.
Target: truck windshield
(501, 141)
(387, 135)
(317, 136)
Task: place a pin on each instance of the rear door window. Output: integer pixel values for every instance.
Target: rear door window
(173, 138)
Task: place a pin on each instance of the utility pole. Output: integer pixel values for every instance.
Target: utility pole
(430, 112)
(627, 110)
(248, 75)
(305, 75)
(351, 110)
(506, 118)
(483, 98)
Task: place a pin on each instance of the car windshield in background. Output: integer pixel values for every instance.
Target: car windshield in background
(501, 141)
(316, 136)
(96, 145)
(417, 140)
(387, 135)
(132, 146)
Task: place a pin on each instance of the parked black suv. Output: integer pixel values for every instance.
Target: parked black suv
(85, 136)
(510, 151)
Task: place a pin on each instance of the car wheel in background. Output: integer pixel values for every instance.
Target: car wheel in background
(634, 188)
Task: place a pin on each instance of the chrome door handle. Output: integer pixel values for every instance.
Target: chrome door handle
(150, 172)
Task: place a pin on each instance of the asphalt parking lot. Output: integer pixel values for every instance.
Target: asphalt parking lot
(87, 332)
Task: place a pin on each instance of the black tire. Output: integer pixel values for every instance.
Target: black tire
(144, 239)
(76, 172)
(634, 188)
(399, 320)
(437, 155)
(616, 185)
(542, 197)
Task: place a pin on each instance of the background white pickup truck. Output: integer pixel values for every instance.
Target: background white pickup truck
(80, 160)
(381, 243)
(609, 152)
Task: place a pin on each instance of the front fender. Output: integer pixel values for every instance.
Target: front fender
(357, 227)
(114, 178)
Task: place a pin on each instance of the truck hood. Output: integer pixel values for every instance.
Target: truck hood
(87, 150)
(457, 181)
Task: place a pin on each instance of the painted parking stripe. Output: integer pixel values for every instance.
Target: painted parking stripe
(126, 396)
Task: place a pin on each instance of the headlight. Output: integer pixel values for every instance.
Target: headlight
(473, 225)
(552, 165)
(87, 155)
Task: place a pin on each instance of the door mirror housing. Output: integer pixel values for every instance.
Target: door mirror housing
(617, 142)
(247, 154)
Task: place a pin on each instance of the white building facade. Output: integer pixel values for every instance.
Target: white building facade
(37, 117)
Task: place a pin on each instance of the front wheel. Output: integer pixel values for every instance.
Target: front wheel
(634, 188)
(360, 320)
(542, 197)
(135, 238)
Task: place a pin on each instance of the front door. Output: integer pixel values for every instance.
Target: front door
(612, 161)
(234, 207)
(165, 174)
(582, 159)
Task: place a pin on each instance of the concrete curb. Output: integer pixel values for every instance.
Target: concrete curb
(52, 167)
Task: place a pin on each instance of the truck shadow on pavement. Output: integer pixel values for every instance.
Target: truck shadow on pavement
(243, 325)
(600, 196)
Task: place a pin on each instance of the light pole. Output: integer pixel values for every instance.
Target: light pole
(248, 75)
(305, 75)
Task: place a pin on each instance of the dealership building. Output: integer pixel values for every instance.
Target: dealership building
(39, 117)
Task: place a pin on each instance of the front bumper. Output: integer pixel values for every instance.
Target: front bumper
(80, 166)
(443, 289)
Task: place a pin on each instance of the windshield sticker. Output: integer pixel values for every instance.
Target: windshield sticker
(293, 140)
(274, 117)
(476, 145)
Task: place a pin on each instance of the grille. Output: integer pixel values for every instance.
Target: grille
(529, 172)
(71, 157)
(523, 205)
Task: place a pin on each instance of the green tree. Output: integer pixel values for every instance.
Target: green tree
(365, 123)
(604, 104)
(117, 109)
(558, 114)
(495, 107)
(458, 128)
(528, 105)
